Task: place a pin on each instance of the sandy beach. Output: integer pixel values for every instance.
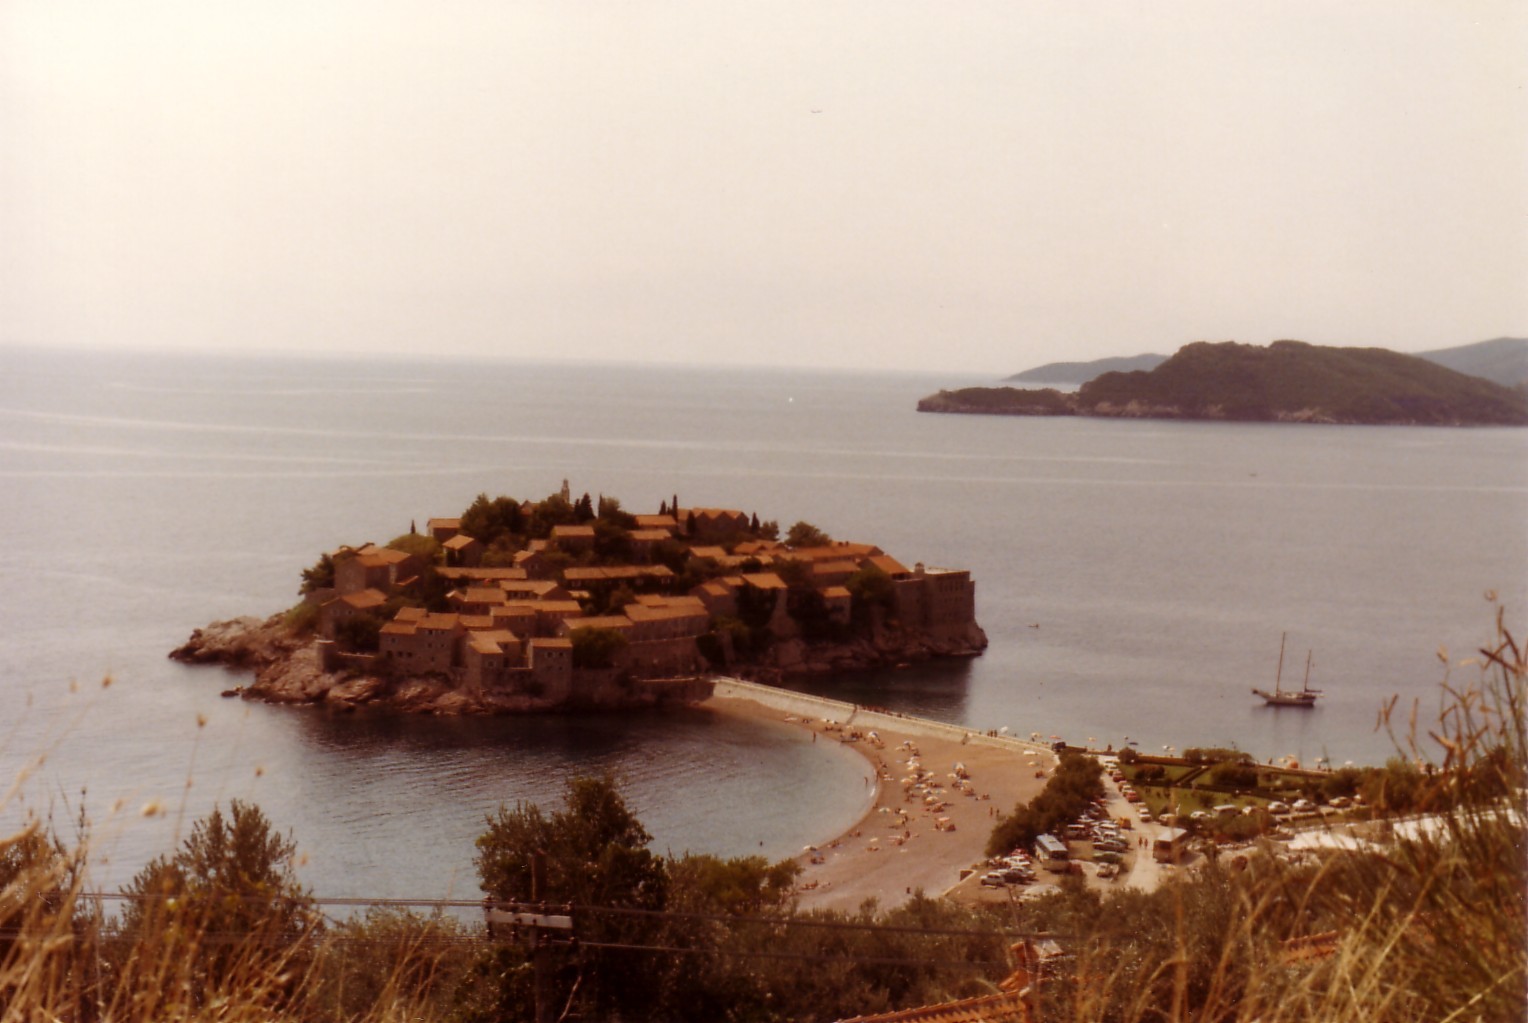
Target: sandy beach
(918, 835)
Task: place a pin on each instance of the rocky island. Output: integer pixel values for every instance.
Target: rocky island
(1287, 381)
(520, 606)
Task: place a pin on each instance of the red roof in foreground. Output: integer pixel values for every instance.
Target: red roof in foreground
(1003, 1008)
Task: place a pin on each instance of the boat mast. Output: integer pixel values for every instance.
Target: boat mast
(1279, 675)
(1307, 671)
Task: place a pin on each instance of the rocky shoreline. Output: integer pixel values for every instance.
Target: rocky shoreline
(287, 668)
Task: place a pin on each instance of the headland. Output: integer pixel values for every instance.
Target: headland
(1287, 381)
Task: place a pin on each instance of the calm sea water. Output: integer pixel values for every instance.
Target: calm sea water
(1134, 580)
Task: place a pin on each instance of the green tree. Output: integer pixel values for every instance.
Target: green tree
(612, 541)
(229, 897)
(592, 855)
(319, 576)
(490, 520)
(741, 886)
(595, 647)
(610, 511)
(795, 574)
(361, 634)
(555, 510)
(870, 589)
(421, 545)
(804, 534)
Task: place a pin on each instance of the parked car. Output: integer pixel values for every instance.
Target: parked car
(993, 879)
(1304, 806)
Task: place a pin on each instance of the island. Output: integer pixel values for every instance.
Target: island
(1075, 374)
(1287, 381)
(521, 606)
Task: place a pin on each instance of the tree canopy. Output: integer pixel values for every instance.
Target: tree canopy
(804, 534)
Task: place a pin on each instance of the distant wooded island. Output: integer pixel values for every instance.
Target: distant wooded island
(1287, 381)
(1502, 360)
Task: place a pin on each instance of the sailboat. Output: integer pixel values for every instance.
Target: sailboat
(1281, 697)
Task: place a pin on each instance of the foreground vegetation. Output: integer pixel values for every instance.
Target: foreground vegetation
(1428, 927)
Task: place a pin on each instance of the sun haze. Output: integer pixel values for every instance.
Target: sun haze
(976, 187)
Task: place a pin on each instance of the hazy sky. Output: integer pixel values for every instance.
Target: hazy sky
(943, 186)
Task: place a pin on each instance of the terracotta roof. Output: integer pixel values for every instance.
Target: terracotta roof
(886, 563)
(1311, 948)
(618, 622)
(458, 542)
(650, 534)
(484, 595)
(409, 614)
(492, 641)
(613, 572)
(829, 567)
(363, 599)
(663, 522)
(373, 556)
(444, 524)
(708, 551)
(663, 600)
(832, 552)
(476, 622)
(572, 532)
(641, 613)
(837, 593)
(536, 587)
(554, 642)
(764, 581)
(482, 574)
(439, 621)
(1003, 1008)
(398, 628)
(483, 643)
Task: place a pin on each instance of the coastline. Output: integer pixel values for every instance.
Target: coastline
(897, 846)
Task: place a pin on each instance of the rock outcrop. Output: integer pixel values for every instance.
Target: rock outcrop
(288, 668)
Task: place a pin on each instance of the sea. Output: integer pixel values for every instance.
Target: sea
(1135, 579)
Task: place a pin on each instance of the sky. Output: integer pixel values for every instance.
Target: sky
(961, 187)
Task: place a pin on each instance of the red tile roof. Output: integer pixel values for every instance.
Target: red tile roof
(1002, 1008)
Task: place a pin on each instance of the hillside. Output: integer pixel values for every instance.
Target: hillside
(1076, 373)
(1288, 381)
(1502, 360)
